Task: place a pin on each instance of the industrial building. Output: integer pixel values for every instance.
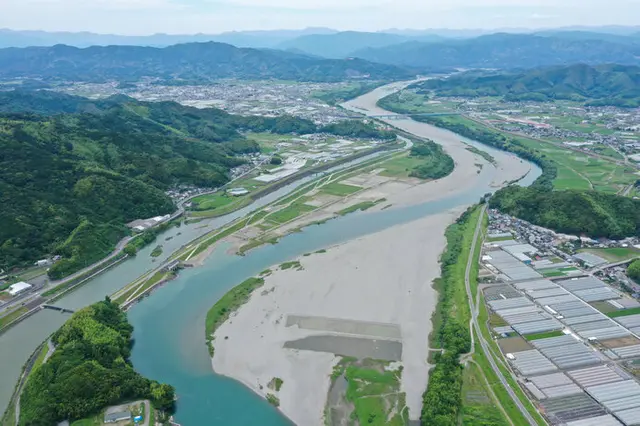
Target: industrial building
(18, 288)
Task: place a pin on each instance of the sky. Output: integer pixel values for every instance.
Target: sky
(139, 17)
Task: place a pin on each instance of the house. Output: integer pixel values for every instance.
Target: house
(117, 417)
(43, 262)
(17, 288)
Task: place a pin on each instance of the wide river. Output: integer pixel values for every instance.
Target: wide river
(169, 324)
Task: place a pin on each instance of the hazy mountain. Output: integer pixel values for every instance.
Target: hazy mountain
(590, 35)
(504, 51)
(344, 44)
(193, 62)
(598, 85)
(12, 38)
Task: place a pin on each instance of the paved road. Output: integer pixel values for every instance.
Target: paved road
(475, 324)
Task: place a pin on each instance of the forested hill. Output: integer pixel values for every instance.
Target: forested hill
(69, 182)
(504, 51)
(193, 62)
(89, 370)
(595, 85)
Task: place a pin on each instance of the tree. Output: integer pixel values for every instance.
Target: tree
(633, 271)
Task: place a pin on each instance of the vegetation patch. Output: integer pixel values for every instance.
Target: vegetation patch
(365, 205)
(13, 315)
(293, 264)
(157, 251)
(483, 154)
(273, 400)
(374, 390)
(614, 254)
(229, 303)
(340, 189)
(546, 335)
(624, 313)
(291, 212)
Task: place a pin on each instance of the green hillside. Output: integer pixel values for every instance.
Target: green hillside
(617, 85)
(69, 182)
(190, 62)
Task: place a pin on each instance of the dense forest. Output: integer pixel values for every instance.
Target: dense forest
(436, 163)
(617, 85)
(89, 370)
(573, 212)
(74, 170)
(192, 62)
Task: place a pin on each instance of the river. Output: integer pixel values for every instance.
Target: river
(169, 324)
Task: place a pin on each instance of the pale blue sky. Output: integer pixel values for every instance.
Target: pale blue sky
(214, 16)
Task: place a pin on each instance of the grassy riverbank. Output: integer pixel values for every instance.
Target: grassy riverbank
(228, 304)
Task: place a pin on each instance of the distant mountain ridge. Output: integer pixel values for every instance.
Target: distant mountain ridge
(256, 39)
(344, 44)
(506, 51)
(199, 62)
(617, 85)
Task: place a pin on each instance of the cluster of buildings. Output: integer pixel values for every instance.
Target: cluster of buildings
(265, 98)
(569, 336)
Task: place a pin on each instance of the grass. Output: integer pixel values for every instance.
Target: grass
(624, 313)
(141, 288)
(478, 407)
(546, 335)
(40, 360)
(375, 394)
(490, 159)
(293, 264)
(400, 167)
(291, 212)
(273, 400)
(13, 315)
(559, 272)
(365, 205)
(214, 201)
(157, 251)
(91, 421)
(235, 204)
(340, 189)
(228, 304)
(615, 254)
(496, 239)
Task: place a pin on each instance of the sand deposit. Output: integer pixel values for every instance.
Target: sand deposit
(380, 278)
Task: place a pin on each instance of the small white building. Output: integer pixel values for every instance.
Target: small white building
(17, 288)
(236, 192)
(43, 262)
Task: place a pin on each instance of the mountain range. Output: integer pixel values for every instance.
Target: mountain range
(617, 85)
(507, 51)
(192, 62)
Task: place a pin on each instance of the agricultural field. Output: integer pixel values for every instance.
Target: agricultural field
(615, 254)
(400, 167)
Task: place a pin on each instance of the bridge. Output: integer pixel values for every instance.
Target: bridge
(58, 308)
(417, 114)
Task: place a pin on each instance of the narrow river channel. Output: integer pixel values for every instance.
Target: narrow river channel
(169, 324)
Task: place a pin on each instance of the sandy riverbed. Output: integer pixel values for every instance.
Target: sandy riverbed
(380, 278)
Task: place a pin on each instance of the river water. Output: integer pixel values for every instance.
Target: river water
(169, 324)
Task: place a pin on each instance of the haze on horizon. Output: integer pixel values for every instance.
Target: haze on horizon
(141, 17)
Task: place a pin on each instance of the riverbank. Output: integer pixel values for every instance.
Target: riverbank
(381, 278)
(376, 287)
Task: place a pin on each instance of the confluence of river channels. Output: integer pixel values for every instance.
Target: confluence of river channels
(169, 324)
